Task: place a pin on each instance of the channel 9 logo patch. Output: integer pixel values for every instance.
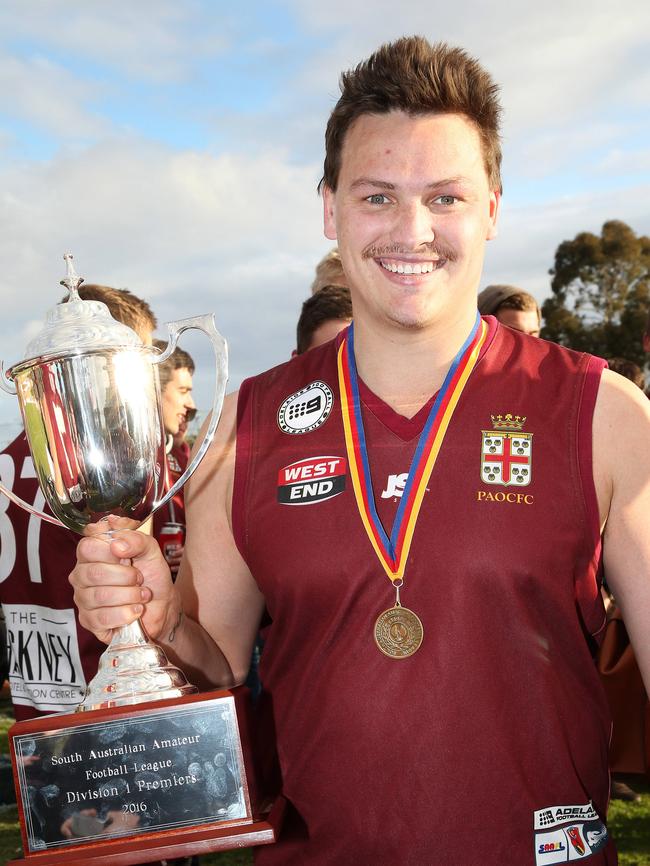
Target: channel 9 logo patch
(314, 479)
(306, 410)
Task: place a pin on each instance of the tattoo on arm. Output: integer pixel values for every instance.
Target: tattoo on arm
(175, 627)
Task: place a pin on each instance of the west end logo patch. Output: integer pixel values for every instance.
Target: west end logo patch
(506, 452)
(313, 479)
(306, 410)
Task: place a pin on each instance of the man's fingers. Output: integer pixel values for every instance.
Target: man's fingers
(97, 597)
(107, 574)
(103, 620)
(119, 545)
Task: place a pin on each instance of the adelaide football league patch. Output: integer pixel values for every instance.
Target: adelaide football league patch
(507, 452)
(569, 833)
(306, 410)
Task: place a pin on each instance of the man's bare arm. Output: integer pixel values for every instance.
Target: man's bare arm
(216, 588)
(622, 473)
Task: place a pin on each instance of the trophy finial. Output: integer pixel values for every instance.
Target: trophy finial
(71, 280)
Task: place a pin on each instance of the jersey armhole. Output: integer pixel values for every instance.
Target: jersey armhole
(243, 447)
(584, 443)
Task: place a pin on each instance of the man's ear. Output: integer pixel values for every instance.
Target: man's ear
(495, 201)
(329, 213)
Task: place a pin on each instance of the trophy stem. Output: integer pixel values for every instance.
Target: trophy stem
(130, 635)
(133, 670)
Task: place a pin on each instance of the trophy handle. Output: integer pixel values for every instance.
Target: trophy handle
(10, 388)
(30, 508)
(220, 347)
(7, 386)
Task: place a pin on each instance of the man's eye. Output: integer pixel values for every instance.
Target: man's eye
(445, 199)
(377, 198)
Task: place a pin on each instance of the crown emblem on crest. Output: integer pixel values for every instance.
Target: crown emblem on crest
(508, 421)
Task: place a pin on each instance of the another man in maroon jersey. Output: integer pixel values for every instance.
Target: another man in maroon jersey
(176, 391)
(50, 656)
(472, 732)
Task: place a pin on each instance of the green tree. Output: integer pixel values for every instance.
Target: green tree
(601, 293)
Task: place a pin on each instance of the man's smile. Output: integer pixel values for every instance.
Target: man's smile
(402, 266)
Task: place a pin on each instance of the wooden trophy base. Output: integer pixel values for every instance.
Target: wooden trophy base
(186, 843)
(138, 784)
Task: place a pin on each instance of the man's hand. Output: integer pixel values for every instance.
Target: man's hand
(122, 576)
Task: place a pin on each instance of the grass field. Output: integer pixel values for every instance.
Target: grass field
(629, 823)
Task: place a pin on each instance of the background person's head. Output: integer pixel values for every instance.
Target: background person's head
(176, 388)
(329, 271)
(123, 306)
(512, 307)
(323, 315)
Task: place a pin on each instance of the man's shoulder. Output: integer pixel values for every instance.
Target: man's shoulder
(539, 350)
(297, 371)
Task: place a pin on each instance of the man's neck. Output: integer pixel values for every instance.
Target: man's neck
(405, 368)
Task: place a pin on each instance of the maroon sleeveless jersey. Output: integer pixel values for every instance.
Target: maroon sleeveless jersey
(488, 745)
(51, 657)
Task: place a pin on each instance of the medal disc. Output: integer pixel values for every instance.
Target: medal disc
(398, 632)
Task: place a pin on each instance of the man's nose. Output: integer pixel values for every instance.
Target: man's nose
(413, 225)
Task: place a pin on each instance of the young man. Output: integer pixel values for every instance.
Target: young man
(512, 307)
(433, 684)
(176, 392)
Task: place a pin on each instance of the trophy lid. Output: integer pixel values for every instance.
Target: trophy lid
(75, 325)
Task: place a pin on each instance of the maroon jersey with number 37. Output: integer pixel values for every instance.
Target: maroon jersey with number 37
(51, 657)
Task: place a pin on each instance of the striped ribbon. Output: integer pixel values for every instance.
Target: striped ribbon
(393, 552)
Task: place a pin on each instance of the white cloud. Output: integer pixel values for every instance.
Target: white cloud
(47, 95)
(153, 40)
(191, 233)
(529, 234)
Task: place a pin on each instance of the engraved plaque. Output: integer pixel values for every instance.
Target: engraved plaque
(135, 774)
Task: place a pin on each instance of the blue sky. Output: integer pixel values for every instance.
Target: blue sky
(175, 147)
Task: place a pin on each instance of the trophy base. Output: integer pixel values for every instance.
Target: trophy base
(136, 784)
(263, 831)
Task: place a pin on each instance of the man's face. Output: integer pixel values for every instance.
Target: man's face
(411, 215)
(526, 321)
(177, 399)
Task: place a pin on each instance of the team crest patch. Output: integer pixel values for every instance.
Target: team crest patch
(569, 833)
(313, 479)
(306, 410)
(506, 452)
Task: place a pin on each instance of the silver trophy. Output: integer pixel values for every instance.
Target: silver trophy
(90, 401)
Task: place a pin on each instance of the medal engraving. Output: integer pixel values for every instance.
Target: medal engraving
(398, 632)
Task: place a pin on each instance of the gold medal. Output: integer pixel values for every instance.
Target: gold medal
(398, 632)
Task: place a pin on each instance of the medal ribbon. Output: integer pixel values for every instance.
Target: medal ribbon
(393, 552)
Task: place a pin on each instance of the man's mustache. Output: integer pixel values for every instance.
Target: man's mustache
(425, 252)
